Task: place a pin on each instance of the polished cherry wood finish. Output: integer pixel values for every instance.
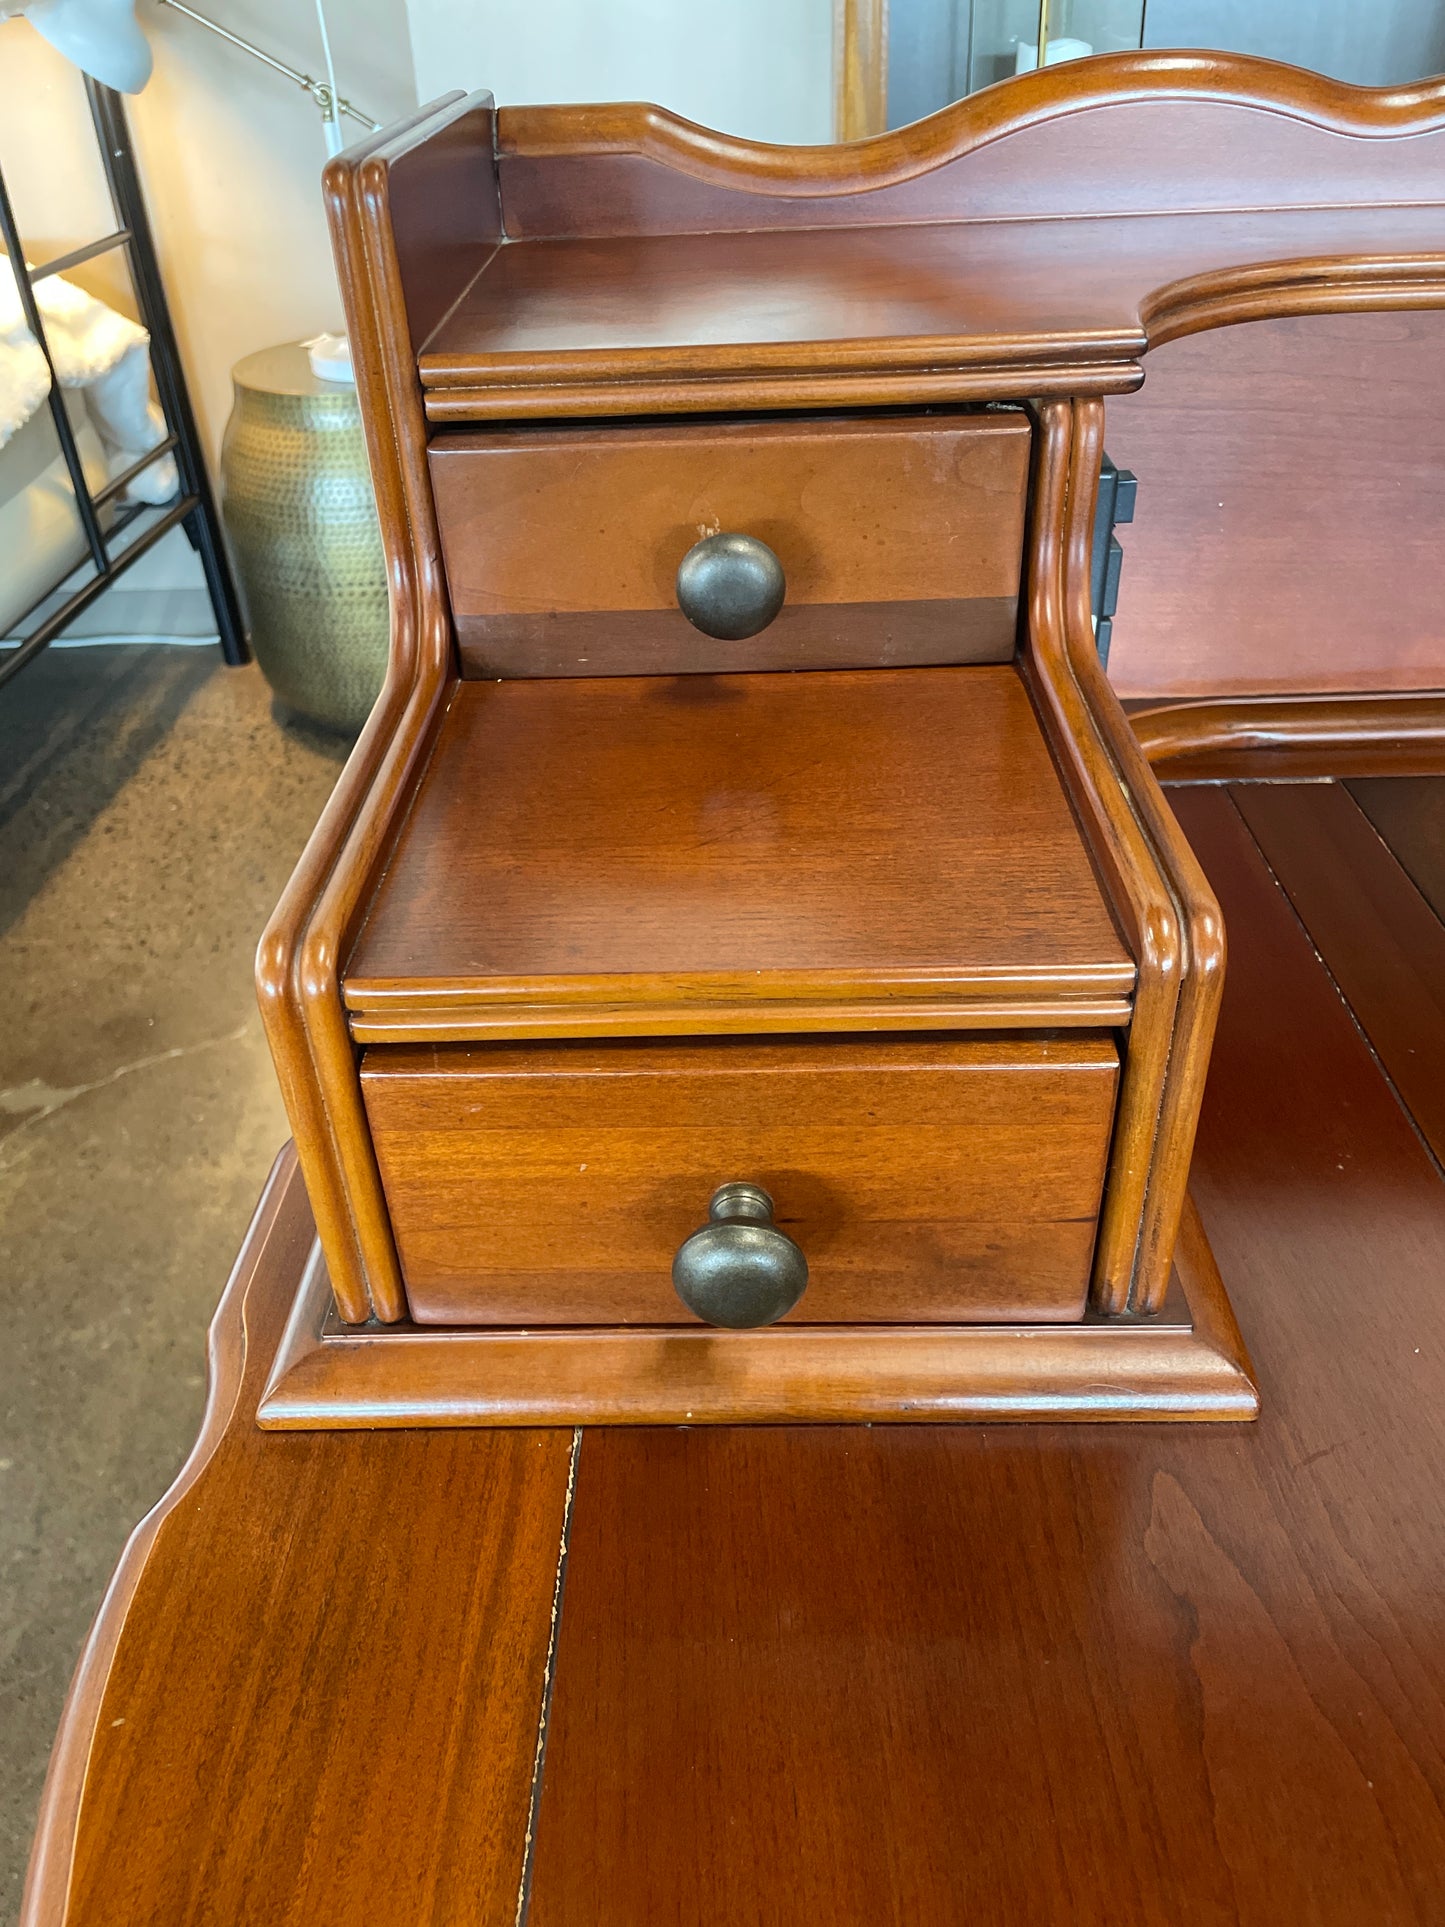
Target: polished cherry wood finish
(297, 961)
(1295, 550)
(1188, 1362)
(1006, 253)
(285, 1712)
(1410, 816)
(1183, 937)
(1056, 1677)
(929, 1673)
(901, 539)
(1032, 240)
(708, 845)
(871, 317)
(934, 1180)
(1295, 737)
(1378, 937)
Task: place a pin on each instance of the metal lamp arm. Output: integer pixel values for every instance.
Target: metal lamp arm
(319, 90)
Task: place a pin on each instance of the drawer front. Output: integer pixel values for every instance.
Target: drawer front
(901, 540)
(930, 1180)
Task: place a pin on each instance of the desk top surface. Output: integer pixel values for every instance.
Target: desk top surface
(986, 1674)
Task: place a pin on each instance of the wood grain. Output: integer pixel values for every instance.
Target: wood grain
(1079, 1678)
(1409, 814)
(901, 540)
(998, 249)
(889, 315)
(1006, 246)
(1145, 903)
(1286, 533)
(1200, 969)
(363, 1269)
(860, 51)
(896, 1673)
(750, 277)
(1187, 1365)
(934, 1180)
(1379, 938)
(1080, 139)
(727, 839)
(424, 166)
(256, 1697)
(1295, 737)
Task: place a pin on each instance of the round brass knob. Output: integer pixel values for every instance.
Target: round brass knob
(730, 586)
(739, 1270)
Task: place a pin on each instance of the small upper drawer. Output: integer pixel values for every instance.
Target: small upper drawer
(900, 537)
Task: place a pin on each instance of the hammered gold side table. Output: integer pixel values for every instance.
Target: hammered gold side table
(299, 509)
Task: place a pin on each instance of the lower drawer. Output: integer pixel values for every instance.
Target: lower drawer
(933, 1179)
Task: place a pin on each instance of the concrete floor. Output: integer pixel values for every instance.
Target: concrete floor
(151, 809)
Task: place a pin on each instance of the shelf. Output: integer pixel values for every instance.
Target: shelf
(824, 851)
(813, 317)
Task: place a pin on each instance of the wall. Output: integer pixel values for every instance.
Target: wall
(231, 157)
(232, 154)
(760, 68)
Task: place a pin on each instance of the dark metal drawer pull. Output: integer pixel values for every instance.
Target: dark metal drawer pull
(739, 1270)
(730, 586)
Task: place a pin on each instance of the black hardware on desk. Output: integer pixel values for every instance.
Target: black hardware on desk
(194, 507)
(1118, 488)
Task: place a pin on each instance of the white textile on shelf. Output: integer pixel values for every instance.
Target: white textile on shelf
(96, 351)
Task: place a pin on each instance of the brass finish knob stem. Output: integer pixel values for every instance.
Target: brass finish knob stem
(739, 1270)
(730, 586)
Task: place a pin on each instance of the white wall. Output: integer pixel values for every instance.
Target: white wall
(760, 68)
(231, 155)
(231, 158)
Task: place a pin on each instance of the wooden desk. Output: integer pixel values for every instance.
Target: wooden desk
(911, 1674)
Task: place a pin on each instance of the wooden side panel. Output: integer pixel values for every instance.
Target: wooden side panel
(446, 212)
(297, 959)
(1291, 495)
(901, 541)
(934, 1180)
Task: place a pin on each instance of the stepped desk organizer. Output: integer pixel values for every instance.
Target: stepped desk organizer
(748, 970)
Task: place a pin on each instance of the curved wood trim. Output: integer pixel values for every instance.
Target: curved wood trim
(646, 384)
(281, 1218)
(1346, 735)
(474, 1023)
(591, 173)
(1278, 290)
(284, 1005)
(906, 153)
(1190, 1364)
(302, 954)
(1200, 922)
(365, 191)
(1140, 893)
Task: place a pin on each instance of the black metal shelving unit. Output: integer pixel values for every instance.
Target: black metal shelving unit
(194, 507)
